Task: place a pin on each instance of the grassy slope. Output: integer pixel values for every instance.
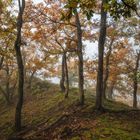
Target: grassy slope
(47, 115)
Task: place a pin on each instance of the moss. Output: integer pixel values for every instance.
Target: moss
(87, 135)
(114, 130)
(113, 105)
(76, 138)
(50, 105)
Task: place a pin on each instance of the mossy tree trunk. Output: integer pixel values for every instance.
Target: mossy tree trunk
(31, 79)
(66, 75)
(80, 59)
(135, 81)
(1, 62)
(107, 69)
(62, 81)
(102, 37)
(17, 47)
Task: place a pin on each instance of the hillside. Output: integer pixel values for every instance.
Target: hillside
(48, 116)
(69, 70)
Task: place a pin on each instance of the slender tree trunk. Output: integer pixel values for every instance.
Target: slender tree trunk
(107, 69)
(6, 91)
(31, 79)
(20, 66)
(62, 81)
(1, 62)
(110, 93)
(7, 85)
(4, 94)
(135, 82)
(67, 77)
(80, 58)
(24, 65)
(13, 90)
(102, 37)
(1, 89)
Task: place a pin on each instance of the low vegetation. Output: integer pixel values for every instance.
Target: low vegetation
(48, 115)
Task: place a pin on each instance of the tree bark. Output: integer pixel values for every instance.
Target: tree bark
(102, 37)
(13, 90)
(110, 92)
(6, 90)
(67, 76)
(1, 62)
(135, 82)
(20, 66)
(7, 84)
(80, 58)
(62, 81)
(31, 79)
(5, 95)
(107, 69)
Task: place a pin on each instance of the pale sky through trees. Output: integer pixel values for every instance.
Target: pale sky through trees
(91, 48)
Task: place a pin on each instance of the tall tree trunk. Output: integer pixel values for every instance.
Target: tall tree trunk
(135, 82)
(24, 65)
(80, 58)
(20, 66)
(5, 95)
(102, 37)
(1, 62)
(110, 92)
(107, 69)
(67, 76)
(13, 90)
(6, 91)
(62, 81)
(7, 84)
(31, 79)
(1, 89)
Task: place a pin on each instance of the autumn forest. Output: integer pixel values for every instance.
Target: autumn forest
(69, 70)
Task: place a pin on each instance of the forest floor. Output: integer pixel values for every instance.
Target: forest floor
(48, 116)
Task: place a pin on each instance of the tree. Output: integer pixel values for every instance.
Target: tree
(135, 80)
(7, 62)
(62, 31)
(1, 61)
(80, 59)
(120, 51)
(66, 75)
(115, 13)
(62, 81)
(17, 47)
(8, 78)
(102, 36)
(112, 38)
(107, 63)
(79, 9)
